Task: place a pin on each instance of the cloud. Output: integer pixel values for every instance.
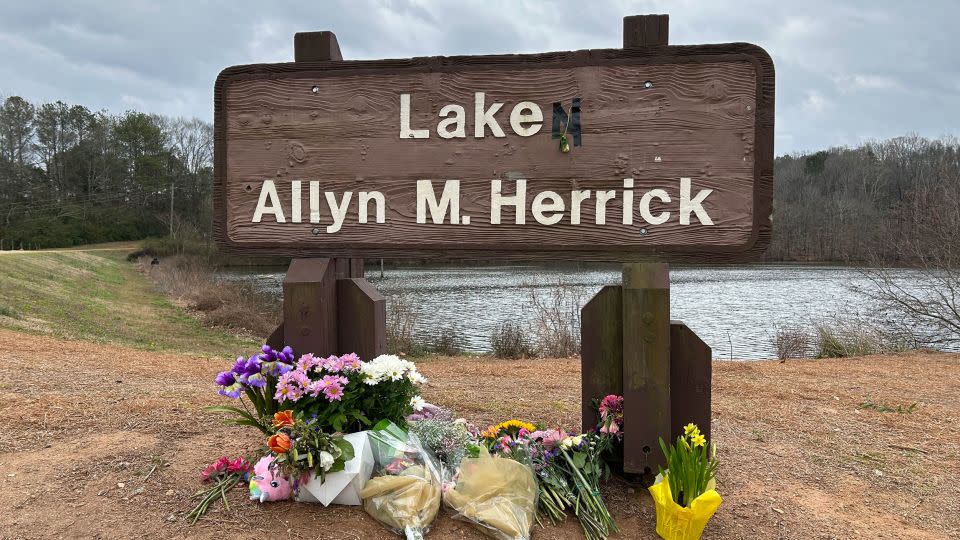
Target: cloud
(845, 71)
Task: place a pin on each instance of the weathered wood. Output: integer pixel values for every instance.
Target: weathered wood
(706, 115)
(601, 356)
(310, 306)
(315, 47)
(363, 318)
(646, 365)
(348, 268)
(691, 369)
(276, 338)
(645, 31)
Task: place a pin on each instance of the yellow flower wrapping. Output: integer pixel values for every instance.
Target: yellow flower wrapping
(409, 500)
(498, 495)
(675, 522)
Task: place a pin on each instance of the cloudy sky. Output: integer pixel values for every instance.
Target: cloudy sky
(847, 71)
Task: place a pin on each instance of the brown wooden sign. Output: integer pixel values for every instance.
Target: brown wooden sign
(658, 152)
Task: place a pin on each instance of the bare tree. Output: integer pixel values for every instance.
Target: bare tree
(928, 301)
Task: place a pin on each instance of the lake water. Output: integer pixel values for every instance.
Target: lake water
(734, 309)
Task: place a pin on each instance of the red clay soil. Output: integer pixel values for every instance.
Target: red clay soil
(107, 442)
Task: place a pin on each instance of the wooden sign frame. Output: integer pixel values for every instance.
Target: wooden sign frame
(762, 151)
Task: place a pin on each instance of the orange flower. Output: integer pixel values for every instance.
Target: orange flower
(279, 443)
(283, 419)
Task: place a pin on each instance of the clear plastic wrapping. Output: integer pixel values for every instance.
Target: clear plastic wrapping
(404, 492)
(498, 495)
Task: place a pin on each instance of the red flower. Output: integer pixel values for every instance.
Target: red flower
(238, 465)
(216, 468)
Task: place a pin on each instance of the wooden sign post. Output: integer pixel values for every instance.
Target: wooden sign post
(645, 154)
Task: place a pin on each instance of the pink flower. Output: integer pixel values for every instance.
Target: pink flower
(614, 429)
(332, 364)
(218, 467)
(611, 404)
(307, 362)
(333, 392)
(238, 465)
(549, 438)
(350, 362)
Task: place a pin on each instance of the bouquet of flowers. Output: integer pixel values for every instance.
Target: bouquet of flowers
(684, 493)
(225, 473)
(611, 415)
(568, 469)
(339, 393)
(404, 493)
(448, 440)
(254, 378)
(498, 495)
(301, 449)
(580, 457)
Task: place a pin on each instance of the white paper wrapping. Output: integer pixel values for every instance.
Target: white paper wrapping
(342, 487)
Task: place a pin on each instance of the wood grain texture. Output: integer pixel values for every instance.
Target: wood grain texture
(645, 31)
(310, 306)
(708, 116)
(646, 366)
(362, 319)
(691, 371)
(601, 356)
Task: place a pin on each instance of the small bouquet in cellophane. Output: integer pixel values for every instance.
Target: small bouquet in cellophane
(498, 495)
(404, 493)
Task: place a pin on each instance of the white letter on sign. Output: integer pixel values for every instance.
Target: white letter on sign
(450, 198)
(484, 117)
(526, 112)
(645, 207)
(405, 131)
(518, 201)
(268, 191)
(337, 211)
(694, 205)
(540, 207)
(459, 119)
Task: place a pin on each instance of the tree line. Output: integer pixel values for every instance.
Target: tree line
(71, 176)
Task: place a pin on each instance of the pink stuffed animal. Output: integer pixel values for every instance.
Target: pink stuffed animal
(268, 485)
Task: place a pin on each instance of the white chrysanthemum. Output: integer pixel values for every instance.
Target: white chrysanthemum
(417, 403)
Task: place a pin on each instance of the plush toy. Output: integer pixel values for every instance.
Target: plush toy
(268, 485)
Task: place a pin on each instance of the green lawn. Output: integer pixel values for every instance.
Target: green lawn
(98, 296)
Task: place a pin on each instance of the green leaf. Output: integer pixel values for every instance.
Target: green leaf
(346, 449)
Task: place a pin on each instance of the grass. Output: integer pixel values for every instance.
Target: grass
(98, 296)
(869, 404)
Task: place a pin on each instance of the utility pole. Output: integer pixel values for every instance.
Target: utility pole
(172, 186)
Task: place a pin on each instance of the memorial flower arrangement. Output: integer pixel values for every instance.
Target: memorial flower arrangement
(299, 447)
(684, 494)
(569, 468)
(340, 393)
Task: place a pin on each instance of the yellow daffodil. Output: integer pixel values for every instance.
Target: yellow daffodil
(690, 430)
(698, 440)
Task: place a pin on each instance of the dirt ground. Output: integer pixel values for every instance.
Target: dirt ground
(107, 442)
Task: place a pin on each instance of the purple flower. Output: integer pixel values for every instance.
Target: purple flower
(231, 391)
(256, 380)
(225, 378)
